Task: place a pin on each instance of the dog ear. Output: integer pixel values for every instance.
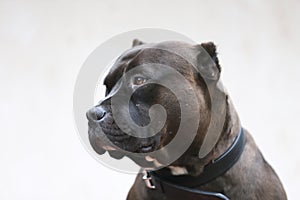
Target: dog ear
(208, 62)
(137, 42)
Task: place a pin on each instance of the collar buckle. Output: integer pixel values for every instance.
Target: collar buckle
(148, 180)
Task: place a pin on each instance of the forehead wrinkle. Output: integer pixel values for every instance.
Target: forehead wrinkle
(134, 61)
(119, 67)
(131, 58)
(114, 74)
(164, 57)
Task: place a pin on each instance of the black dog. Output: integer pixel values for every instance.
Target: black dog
(233, 169)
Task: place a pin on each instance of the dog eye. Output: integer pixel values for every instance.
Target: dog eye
(139, 80)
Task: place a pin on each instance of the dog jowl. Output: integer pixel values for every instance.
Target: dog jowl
(159, 92)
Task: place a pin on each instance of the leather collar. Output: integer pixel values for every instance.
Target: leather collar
(182, 186)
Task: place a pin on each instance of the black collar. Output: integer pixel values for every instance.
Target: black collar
(183, 185)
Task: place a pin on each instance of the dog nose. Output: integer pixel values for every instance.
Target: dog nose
(95, 113)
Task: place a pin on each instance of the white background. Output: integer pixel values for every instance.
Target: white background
(44, 43)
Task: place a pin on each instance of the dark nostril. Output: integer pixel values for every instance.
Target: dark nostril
(100, 113)
(95, 113)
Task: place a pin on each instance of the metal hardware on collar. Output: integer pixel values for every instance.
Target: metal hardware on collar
(148, 180)
(185, 185)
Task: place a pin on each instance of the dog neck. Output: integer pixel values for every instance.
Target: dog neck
(191, 164)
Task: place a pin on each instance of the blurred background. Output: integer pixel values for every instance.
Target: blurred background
(44, 43)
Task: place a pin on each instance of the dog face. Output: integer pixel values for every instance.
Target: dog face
(141, 84)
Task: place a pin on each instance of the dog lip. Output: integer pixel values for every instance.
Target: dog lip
(146, 148)
(117, 137)
(112, 134)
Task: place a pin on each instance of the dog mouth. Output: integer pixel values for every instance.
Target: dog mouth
(116, 140)
(146, 147)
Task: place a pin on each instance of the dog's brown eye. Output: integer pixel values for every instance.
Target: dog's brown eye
(139, 80)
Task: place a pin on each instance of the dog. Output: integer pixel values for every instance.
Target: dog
(243, 172)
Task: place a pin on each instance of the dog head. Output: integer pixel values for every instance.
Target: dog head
(134, 85)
